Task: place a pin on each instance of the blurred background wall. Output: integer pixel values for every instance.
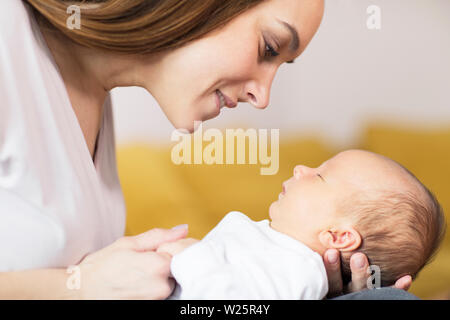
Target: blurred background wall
(384, 90)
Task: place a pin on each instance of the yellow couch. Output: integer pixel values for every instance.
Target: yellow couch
(159, 193)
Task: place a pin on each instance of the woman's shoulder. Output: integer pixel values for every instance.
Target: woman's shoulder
(12, 14)
(11, 7)
(17, 28)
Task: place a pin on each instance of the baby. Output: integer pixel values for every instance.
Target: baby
(357, 201)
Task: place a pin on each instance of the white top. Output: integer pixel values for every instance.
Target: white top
(56, 204)
(244, 259)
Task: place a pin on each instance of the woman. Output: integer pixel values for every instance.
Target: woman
(60, 198)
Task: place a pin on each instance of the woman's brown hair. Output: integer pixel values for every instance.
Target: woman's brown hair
(139, 26)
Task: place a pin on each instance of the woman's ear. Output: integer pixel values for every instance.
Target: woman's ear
(345, 239)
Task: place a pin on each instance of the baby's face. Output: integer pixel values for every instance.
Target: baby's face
(310, 198)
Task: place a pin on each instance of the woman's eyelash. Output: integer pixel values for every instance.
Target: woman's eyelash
(320, 177)
(271, 50)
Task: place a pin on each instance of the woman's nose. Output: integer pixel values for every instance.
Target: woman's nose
(258, 92)
(258, 98)
(302, 171)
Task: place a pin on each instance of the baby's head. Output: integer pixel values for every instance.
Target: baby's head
(359, 201)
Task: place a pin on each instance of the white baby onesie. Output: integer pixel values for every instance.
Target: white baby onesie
(244, 259)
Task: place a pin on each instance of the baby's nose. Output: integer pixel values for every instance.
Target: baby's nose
(301, 171)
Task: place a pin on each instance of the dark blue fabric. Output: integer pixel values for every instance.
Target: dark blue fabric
(378, 294)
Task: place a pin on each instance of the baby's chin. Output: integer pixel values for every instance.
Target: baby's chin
(276, 221)
(272, 210)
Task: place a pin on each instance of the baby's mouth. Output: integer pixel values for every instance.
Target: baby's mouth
(283, 191)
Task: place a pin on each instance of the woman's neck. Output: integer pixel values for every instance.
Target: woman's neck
(88, 75)
(90, 71)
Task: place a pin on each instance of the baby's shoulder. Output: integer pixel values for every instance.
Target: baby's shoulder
(236, 220)
(235, 226)
(236, 216)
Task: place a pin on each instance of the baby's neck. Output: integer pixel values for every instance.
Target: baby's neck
(313, 245)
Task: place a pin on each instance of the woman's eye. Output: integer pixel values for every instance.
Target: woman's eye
(270, 50)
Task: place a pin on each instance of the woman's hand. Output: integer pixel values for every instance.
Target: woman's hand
(172, 248)
(358, 266)
(130, 268)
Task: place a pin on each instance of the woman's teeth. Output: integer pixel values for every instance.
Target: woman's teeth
(221, 98)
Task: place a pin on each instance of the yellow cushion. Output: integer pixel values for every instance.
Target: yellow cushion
(159, 193)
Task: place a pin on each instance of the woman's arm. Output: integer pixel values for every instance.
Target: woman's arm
(130, 268)
(46, 284)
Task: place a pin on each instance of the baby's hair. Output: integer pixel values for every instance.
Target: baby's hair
(400, 234)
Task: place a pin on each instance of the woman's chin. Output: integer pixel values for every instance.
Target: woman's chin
(189, 119)
(185, 125)
(191, 126)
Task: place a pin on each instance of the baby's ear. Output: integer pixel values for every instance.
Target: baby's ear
(344, 239)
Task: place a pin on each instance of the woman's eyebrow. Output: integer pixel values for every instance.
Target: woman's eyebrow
(294, 45)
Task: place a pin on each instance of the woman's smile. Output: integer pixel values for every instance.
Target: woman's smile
(224, 101)
(221, 101)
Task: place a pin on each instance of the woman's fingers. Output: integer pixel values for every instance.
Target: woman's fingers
(141, 274)
(176, 247)
(359, 266)
(171, 286)
(333, 266)
(403, 283)
(153, 238)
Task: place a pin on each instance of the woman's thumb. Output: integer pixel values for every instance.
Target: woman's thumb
(153, 238)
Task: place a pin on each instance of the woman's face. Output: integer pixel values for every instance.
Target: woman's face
(235, 59)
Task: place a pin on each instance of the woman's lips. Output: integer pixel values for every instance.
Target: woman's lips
(218, 104)
(228, 102)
